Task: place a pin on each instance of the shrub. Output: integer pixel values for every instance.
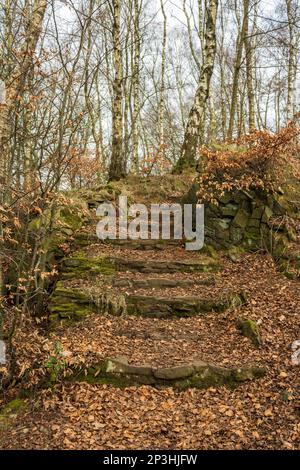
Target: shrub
(260, 160)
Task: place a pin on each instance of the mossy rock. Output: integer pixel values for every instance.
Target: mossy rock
(280, 246)
(63, 217)
(267, 214)
(281, 206)
(241, 219)
(79, 265)
(229, 210)
(220, 223)
(65, 222)
(210, 251)
(236, 234)
(235, 253)
(196, 374)
(143, 245)
(250, 330)
(10, 412)
(257, 212)
(160, 307)
(69, 305)
(70, 218)
(226, 198)
(83, 239)
(203, 263)
(254, 223)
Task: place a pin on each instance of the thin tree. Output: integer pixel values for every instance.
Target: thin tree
(117, 168)
(194, 128)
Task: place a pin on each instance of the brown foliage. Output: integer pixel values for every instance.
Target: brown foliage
(261, 159)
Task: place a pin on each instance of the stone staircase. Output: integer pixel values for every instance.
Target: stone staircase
(145, 279)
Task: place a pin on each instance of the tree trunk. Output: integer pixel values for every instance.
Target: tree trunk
(249, 68)
(117, 164)
(290, 106)
(136, 88)
(194, 128)
(236, 75)
(161, 105)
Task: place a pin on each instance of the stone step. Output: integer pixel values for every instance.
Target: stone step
(87, 239)
(144, 244)
(161, 307)
(73, 304)
(197, 374)
(80, 265)
(201, 264)
(160, 283)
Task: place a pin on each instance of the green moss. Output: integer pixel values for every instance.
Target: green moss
(70, 218)
(247, 373)
(199, 375)
(206, 379)
(241, 218)
(70, 305)
(10, 411)
(12, 407)
(235, 253)
(79, 265)
(250, 329)
(180, 307)
(97, 375)
(210, 251)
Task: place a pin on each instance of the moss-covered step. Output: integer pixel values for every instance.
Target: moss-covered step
(201, 264)
(66, 304)
(85, 238)
(197, 374)
(79, 266)
(160, 282)
(161, 307)
(143, 244)
(70, 304)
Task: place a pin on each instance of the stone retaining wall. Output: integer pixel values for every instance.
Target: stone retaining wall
(243, 218)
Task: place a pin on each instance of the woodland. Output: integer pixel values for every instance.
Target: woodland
(141, 343)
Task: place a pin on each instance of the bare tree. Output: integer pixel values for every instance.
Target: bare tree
(117, 165)
(194, 127)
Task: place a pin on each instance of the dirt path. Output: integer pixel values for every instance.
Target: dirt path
(257, 414)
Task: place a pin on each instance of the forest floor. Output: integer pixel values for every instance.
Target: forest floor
(263, 414)
(259, 414)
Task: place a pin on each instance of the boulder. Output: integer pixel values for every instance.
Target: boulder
(250, 329)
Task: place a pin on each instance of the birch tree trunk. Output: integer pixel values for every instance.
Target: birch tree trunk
(249, 67)
(236, 75)
(117, 164)
(290, 106)
(136, 88)
(194, 128)
(161, 105)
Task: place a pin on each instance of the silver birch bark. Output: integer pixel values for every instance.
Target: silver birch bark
(194, 128)
(136, 88)
(117, 164)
